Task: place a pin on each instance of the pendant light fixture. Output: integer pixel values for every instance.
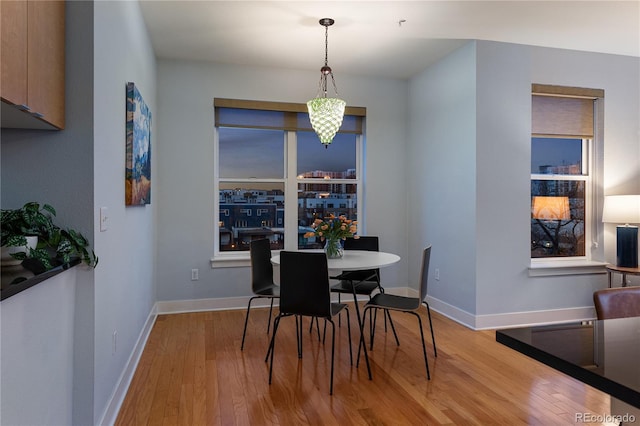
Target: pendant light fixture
(326, 113)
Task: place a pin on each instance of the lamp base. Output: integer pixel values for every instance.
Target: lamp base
(627, 246)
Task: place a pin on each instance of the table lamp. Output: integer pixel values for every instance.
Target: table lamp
(551, 208)
(623, 210)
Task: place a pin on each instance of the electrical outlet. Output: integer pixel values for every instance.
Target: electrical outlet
(436, 274)
(114, 342)
(195, 275)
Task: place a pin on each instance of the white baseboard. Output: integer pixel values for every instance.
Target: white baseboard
(475, 322)
(199, 305)
(122, 385)
(452, 312)
(531, 318)
(218, 304)
(511, 319)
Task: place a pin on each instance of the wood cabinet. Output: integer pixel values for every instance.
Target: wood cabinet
(33, 62)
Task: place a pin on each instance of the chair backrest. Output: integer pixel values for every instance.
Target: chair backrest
(368, 243)
(424, 272)
(304, 284)
(619, 302)
(261, 267)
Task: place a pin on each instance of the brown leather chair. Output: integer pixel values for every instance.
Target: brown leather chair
(619, 302)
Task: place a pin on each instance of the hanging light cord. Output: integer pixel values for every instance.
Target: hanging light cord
(326, 46)
(326, 69)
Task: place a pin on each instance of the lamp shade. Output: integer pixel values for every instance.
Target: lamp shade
(621, 209)
(326, 116)
(550, 208)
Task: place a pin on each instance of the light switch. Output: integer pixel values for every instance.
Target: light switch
(104, 219)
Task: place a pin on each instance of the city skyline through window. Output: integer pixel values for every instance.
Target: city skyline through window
(557, 173)
(256, 166)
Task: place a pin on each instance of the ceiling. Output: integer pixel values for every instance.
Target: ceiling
(395, 39)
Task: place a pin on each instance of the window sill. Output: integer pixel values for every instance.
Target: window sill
(566, 267)
(231, 261)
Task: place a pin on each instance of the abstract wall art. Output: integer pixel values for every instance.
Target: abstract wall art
(138, 149)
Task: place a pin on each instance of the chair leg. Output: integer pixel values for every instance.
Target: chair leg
(349, 334)
(372, 321)
(270, 312)
(381, 290)
(299, 334)
(270, 348)
(386, 314)
(364, 314)
(272, 345)
(324, 331)
(435, 352)
(372, 335)
(393, 327)
(333, 347)
(372, 327)
(424, 347)
(246, 320)
(361, 344)
(311, 326)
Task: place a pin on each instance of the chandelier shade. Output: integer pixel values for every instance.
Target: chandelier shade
(326, 116)
(326, 113)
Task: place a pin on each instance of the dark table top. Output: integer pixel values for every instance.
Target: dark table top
(604, 354)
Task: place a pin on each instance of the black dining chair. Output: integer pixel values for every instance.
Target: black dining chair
(304, 291)
(363, 282)
(262, 284)
(410, 305)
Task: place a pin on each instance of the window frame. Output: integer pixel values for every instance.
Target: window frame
(290, 180)
(586, 177)
(592, 261)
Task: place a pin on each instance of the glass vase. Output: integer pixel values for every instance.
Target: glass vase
(333, 248)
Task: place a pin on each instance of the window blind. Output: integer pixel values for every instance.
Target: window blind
(563, 111)
(277, 115)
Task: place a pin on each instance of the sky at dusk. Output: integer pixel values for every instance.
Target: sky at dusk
(555, 152)
(259, 153)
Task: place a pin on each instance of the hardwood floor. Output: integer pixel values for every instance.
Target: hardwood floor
(192, 372)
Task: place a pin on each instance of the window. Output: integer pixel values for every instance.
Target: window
(563, 171)
(559, 178)
(274, 177)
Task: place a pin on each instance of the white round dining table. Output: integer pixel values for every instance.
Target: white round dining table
(354, 260)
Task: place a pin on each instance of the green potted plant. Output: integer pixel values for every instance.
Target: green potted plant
(21, 230)
(70, 244)
(55, 246)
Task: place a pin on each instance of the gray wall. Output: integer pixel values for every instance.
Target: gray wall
(441, 158)
(185, 159)
(78, 170)
(125, 278)
(56, 167)
(483, 252)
